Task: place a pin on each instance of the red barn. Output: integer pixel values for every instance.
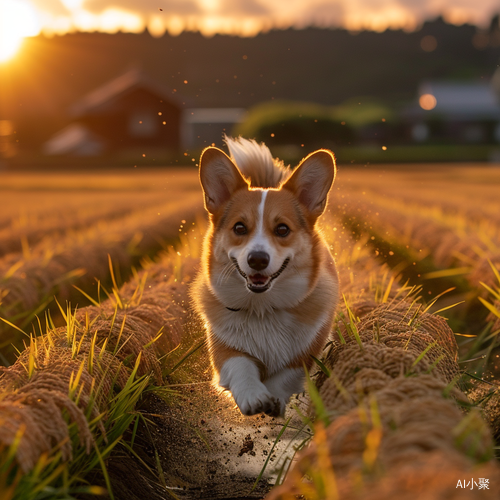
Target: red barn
(130, 112)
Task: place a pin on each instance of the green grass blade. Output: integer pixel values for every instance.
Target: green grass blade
(490, 307)
(270, 454)
(321, 365)
(185, 357)
(321, 411)
(423, 353)
(104, 473)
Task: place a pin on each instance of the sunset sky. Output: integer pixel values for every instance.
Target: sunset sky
(21, 18)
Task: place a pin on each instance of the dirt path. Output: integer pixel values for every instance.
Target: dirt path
(208, 450)
(197, 445)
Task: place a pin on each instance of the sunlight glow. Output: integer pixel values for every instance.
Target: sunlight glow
(210, 5)
(391, 16)
(457, 15)
(156, 26)
(244, 18)
(110, 20)
(114, 19)
(176, 25)
(72, 4)
(17, 21)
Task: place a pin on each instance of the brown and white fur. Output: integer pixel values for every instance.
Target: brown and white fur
(268, 287)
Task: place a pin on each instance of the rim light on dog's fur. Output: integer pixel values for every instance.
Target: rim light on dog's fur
(259, 342)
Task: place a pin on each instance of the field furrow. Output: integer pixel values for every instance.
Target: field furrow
(463, 249)
(23, 234)
(470, 193)
(94, 369)
(83, 258)
(388, 401)
(397, 405)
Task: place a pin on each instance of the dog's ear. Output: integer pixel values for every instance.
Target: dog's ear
(219, 177)
(312, 179)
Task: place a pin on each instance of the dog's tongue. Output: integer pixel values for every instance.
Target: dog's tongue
(258, 279)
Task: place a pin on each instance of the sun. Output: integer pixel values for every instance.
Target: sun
(17, 20)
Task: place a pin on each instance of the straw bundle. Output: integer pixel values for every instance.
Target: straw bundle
(396, 429)
(487, 397)
(395, 415)
(73, 370)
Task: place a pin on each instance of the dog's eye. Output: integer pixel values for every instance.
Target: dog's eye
(282, 230)
(240, 228)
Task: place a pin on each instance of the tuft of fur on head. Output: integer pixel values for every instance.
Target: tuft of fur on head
(256, 163)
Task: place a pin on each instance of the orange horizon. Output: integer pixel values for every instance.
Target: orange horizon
(20, 19)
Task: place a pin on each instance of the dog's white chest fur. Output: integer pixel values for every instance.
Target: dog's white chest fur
(275, 339)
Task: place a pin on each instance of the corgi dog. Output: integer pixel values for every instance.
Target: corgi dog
(268, 287)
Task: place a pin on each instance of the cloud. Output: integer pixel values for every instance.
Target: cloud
(243, 7)
(54, 7)
(324, 14)
(248, 17)
(144, 7)
(181, 7)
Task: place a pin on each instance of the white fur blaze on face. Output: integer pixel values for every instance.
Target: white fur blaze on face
(285, 383)
(260, 218)
(240, 375)
(259, 242)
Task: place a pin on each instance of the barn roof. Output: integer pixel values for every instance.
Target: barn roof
(113, 90)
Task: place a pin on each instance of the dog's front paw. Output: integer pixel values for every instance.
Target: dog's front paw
(255, 400)
(279, 408)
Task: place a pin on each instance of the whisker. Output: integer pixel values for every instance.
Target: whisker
(235, 262)
(221, 275)
(226, 272)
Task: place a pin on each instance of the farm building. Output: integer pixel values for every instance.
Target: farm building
(131, 111)
(204, 126)
(135, 112)
(455, 112)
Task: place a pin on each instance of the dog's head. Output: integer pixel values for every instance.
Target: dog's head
(263, 241)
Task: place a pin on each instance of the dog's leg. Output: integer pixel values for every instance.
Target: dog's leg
(283, 384)
(240, 375)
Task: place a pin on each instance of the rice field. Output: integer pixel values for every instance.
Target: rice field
(62, 231)
(105, 384)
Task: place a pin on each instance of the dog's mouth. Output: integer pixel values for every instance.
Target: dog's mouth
(259, 283)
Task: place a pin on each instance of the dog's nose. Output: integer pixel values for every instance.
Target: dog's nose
(258, 260)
